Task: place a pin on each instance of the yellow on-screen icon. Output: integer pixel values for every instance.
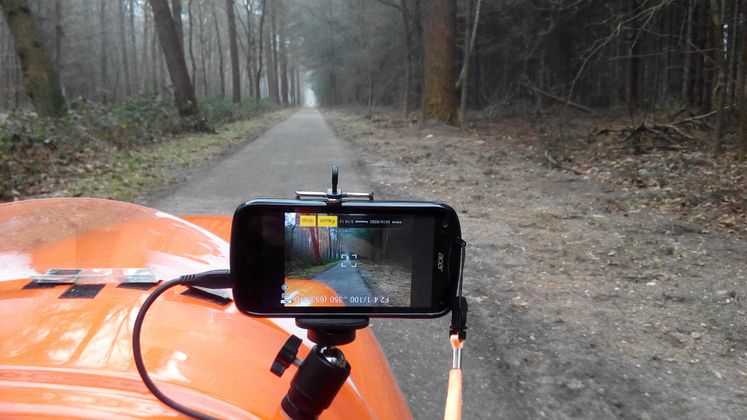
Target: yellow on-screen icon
(327, 221)
(308, 220)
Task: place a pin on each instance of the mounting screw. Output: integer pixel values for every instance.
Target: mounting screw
(286, 356)
(335, 177)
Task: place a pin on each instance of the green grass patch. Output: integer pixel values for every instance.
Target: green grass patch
(349, 124)
(127, 174)
(221, 110)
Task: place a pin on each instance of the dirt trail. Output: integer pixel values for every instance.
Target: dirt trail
(294, 155)
(581, 306)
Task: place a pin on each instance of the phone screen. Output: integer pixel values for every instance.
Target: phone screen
(379, 260)
(306, 258)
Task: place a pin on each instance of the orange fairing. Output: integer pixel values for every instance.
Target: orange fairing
(218, 225)
(310, 291)
(65, 350)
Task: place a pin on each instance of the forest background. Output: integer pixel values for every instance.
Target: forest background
(82, 79)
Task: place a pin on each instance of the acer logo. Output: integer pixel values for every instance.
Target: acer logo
(441, 262)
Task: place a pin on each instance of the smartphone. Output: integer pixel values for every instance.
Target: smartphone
(303, 258)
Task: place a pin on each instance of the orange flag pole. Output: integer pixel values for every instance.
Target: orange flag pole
(453, 410)
(457, 335)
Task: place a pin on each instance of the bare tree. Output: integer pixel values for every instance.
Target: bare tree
(719, 85)
(184, 94)
(221, 70)
(469, 42)
(235, 73)
(272, 73)
(283, 53)
(257, 93)
(438, 100)
(250, 68)
(58, 34)
(133, 44)
(190, 40)
(408, 53)
(123, 46)
(146, 63)
(39, 75)
(104, 46)
(204, 47)
(176, 5)
(742, 94)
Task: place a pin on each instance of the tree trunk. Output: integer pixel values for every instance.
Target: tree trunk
(469, 42)
(272, 85)
(407, 54)
(719, 90)
(742, 90)
(103, 48)
(257, 94)
(407, 88)
(184, 94)
(292, 77)
(58, 34)
(330, 94)
(365, 41)
(634, 52)
(271, 73)
(235, 73)
(5, 52)
(123, 46)
(39, 75)
(315, 244)
(135, 74)
(19, 81)
(332, 75)
(706, 77)
(203, 58)
(734, 44)
(283, 66)
(418, 73)
(438, 95)
(177, 15)
(464, 74)
(190, 40)
(221, 69)
(250, 68)
(146, 64)
(158, 58)
(274, 94)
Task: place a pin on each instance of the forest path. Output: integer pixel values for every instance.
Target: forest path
(347, 281)
(297, 154)
(584, 302)
(294, 155)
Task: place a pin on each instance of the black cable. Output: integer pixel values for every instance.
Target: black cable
(216, 279)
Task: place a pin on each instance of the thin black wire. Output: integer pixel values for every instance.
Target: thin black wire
(138, 356)
(462, 258)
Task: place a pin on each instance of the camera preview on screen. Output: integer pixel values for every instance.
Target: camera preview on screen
(347, 260)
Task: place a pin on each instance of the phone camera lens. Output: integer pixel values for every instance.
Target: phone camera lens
(444, 224)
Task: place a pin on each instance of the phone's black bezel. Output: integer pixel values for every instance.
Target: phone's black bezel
(247, 260)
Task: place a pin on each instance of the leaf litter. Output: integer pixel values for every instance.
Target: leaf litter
(618, 292)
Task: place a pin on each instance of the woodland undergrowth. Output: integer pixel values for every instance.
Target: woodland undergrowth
(67, 156)
(653, 161)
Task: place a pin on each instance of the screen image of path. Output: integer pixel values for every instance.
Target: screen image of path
(347, 260)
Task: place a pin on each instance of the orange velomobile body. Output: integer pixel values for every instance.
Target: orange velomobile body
(65, 349)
